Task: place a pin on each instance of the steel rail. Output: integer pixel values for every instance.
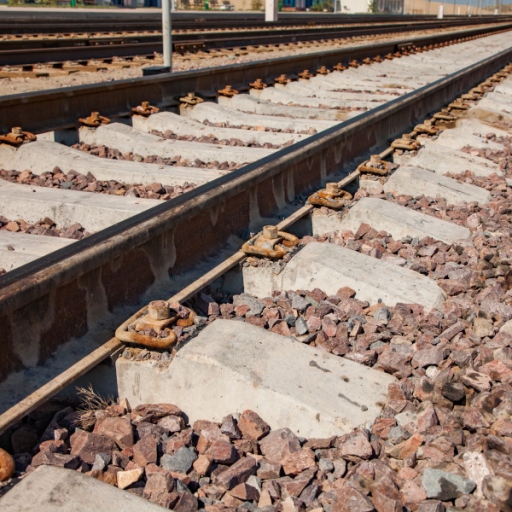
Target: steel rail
(55, 109)
(174, 235)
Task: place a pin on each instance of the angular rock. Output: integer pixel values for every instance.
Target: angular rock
(127, 478)
(445, 486)
(245, 492)
(236, 474)
(268, 470)
(154, 412)
(355, 445)
(118, 429)
(454, 391)
(348, 499)
(158, 488)
(278, 444)
(498, 490)
(477, 381)
(252, 426)
(87, 445)
(186, 503)
(180, 462)
(145, 451)
(222, 452)
(477, 468)
(297, 462)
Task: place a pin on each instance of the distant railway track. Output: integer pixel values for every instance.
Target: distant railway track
(32, 51)
(48, 23)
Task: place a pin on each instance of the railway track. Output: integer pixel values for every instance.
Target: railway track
(410, 240)
(42, 22)
(15, 52)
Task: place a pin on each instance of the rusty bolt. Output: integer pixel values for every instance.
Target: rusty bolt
(305, 75)
(323, 71)
(258, 84)
(158, 310)
(228, 91)
(94, 120)
(145, 109)
(339, 67)
(282, 79)
(270, 232)
(191, 99)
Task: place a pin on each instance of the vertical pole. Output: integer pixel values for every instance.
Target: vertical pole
(166, 33)
(270, 10)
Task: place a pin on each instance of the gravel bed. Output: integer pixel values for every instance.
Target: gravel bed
(88, 183)
(115, 154)
(44, 227)
(211, 139)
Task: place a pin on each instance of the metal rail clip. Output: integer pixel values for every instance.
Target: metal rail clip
(94, 120)
(458, 105)
(191, 99)
(339, 67)
(305, 75)
(271, 243)
(145, 109)
(153, 329)
(17, 137)
(323, 70)
(406, 142)
(258, 84)
(331, 196)
(444, 116)
(375, 166)
(228, 91)
(282, 79)
(427, 127)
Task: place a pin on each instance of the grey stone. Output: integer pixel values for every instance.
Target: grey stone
(254, 481)
(101, 461)
(301, 326)
(325, 465)
(445, 486)
(382, 315)
(290, 320)
(454, 391)
(180, 462)
(299, 303)
(398, 434)
(255, 305)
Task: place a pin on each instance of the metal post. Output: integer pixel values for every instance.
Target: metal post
(166, 33)
(270, 10)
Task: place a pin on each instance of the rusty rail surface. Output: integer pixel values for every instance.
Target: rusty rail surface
(52, 300)
(61, 108)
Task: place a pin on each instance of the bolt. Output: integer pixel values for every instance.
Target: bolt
(17, 130)
(158, 310)
(332, 188)
(375, 159)
(270, 232)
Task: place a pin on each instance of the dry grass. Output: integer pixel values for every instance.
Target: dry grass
(90, 403)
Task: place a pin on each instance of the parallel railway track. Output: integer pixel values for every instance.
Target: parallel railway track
(32, 51)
